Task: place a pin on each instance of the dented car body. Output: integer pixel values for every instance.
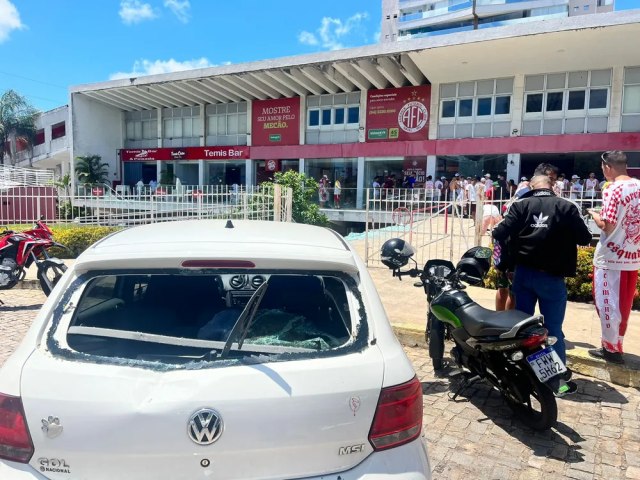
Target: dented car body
(210, 349)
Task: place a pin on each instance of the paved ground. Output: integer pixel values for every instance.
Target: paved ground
(597, 437)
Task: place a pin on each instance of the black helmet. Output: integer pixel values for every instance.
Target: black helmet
(395, 253)
(475, 262)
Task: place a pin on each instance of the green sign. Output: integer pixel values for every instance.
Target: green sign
(394, 133)
(377, 133)
(275, 137)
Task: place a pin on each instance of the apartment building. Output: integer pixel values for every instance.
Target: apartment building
(405, 19)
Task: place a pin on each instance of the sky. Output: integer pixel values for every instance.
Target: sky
(47, 46)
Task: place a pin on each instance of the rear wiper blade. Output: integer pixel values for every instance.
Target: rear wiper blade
(245, 320)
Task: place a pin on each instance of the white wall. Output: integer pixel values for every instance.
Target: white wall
(96, 130)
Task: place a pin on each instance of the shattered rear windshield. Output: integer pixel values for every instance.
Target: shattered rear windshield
(183, 317)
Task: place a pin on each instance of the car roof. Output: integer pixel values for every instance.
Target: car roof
(281, 245)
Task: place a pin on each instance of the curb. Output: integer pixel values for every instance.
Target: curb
(627, 375)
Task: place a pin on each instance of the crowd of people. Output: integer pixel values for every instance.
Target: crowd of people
(535, 249)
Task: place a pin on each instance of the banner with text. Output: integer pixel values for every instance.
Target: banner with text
(275, 122)
(184, 153)
(398, 114)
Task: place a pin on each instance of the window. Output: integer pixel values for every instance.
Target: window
(141, 125)
(503, 105)
(465, 107)
(554, 101)
(475, 109)
(39, 137)
(568, 102)
(576, 100)
(58, 130)
(484, 107)
(534, 103)
(338, 111)
(326, 116)
(226, 124)
(314, 118)
(449, 109)
(297, 314)
(598, 98)
(353, 115)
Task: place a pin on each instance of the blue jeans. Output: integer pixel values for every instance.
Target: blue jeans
(531, 286)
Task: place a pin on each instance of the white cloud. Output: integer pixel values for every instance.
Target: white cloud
(180, 9)
(333, 31)
(9, 19)
(155, 67)
(134, 11)
(307, 38)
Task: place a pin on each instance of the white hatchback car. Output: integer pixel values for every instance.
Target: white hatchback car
(212, 349)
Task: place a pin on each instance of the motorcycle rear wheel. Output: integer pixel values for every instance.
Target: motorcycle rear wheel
(539, 411)
(49, 275)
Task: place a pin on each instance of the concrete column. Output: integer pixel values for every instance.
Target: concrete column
(303, 119)
(513, 167)
(200, 173)
(517, 105)
(615, 102)
(249, 110)
(301, 166)
(203, 137)
(250, 176)
(362, 128)
(360, 186)
(159, 129)
(434, 114)
(431, 166)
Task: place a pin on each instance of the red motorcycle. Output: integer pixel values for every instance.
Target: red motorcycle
(19, 250)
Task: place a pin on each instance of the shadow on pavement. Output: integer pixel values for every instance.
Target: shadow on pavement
(571, 345)
(594, 391)
(19, 308)
(550, 443)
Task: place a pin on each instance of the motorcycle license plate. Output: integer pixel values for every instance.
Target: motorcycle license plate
(546, 364)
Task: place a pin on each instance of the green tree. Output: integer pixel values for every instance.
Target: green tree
(17, 121)
(64, 183)
(304, 188)
(91, 170)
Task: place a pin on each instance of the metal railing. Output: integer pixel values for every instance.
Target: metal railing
(99, 205)
(11, 176)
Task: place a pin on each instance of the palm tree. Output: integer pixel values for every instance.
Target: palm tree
(91, 170)
(17, 122)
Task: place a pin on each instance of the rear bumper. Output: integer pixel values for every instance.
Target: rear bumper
(19, 471)
(408, 462)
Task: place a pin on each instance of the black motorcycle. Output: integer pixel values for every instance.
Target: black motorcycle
(510, 350)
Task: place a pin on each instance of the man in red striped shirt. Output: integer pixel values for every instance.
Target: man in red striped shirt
(617, 257)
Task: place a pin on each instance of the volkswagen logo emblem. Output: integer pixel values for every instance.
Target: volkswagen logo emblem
(205, 426)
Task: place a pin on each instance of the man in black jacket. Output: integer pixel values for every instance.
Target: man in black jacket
(543, 231)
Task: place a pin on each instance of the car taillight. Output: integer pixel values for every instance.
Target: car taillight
(535, 340)
(15, 441)
(398, 418)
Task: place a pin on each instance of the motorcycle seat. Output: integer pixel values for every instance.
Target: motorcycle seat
(482, 322)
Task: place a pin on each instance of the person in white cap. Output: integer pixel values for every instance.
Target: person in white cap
(576, 188)
(488, 187)
(523, 187)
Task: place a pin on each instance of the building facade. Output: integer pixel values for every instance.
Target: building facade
(405, 19)
(495, 101)
(51, 147)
